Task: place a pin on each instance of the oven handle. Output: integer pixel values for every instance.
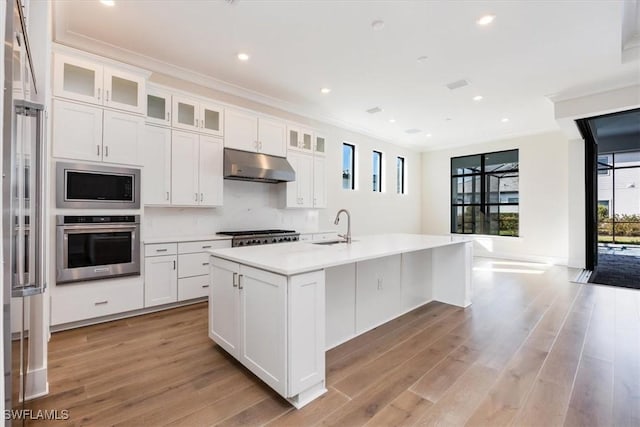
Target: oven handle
(98, 227)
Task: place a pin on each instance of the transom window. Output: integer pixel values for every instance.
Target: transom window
(377, 171)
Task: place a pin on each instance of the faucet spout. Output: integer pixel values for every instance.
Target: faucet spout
(346, 237)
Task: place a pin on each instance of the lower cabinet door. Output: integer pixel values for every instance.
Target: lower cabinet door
(263, 311)
(193, 287)
(160, 280)
(223, 306)
(377, 291)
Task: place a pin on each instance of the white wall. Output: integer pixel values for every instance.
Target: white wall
(544, 197)
(258, 205)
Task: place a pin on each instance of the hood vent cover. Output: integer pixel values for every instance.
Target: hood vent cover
(257, 167)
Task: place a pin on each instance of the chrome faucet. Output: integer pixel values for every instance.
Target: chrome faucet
(346, 237)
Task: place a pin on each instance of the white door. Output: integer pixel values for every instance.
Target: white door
(272, 135)
(210, 171)
(158, 106)
(241, 130)
(77, 79)
(211, 119)
(263, 313)
(122, 138)
(77, 131)
(223, 306)
(319, 183)
(185, 113)
(184, 169)
(124, 91)
(160, 280)
(156, 175)
(378, 297)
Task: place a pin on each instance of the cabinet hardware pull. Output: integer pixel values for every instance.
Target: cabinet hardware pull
(100, 302)
(98, 150)
(174, 264)
(106, 151)
(201, 197)
(107, 96)
(167, 116)
(235, 283)
(161, 250)
(99, 93)
(206, 247)
(205, 263)
(205, 286)
(201, 123)
(167, 195)
(240, 281)
(196, 197)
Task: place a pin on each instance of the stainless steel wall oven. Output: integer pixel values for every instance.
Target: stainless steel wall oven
(97, 247)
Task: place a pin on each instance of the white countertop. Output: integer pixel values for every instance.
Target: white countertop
(300, 257)
(153, 240)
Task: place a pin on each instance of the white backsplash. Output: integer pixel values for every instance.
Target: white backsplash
(247, 205)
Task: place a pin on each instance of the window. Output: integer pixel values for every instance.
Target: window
(377, 171)
(348, 166)
(400, 175)
(484, 194)
(605, 164)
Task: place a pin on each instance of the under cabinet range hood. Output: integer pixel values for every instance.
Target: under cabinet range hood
(258, 167)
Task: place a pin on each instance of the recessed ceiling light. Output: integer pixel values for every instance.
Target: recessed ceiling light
(325, 90)
(504, 120)
(243, 56)
(422, 58)
(448, 119)
(392, 120)
(477, 97)
(377, 25)
(374, 110)
(428, 135)
(108, 2)
(486, 20)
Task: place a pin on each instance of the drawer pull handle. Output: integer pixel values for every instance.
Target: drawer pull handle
(235, 278)
(101, 302)
(206, 247)
(205, 263)
(205, 286)
(240, 281)
(161, 250)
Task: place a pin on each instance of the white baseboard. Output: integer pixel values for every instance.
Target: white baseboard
(37, 384)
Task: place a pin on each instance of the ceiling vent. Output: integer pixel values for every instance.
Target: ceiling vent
(374, 110)
(457, 84)
(412, 131)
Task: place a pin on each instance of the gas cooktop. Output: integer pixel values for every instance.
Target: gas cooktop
(260, 237)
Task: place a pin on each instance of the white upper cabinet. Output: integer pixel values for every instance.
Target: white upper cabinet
(300, 191)
(158, 106)
(320, 145)
(122, 137)
(88, 81)
(248, 132)
(299, 138)
(319, 182)
(194, 115)
(210, 171)
(156, 156)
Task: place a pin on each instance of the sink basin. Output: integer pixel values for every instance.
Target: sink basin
(331, 242)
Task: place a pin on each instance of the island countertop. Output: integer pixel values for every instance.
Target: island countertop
(301, 257)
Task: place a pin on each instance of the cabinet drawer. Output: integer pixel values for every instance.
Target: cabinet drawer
(72, 303)
(193, 287)
(193, 264)
(306, 237)
(161, 249)
(193, 247)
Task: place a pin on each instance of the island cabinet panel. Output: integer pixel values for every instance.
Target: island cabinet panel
(263, 314)
(224, 306)
(340, 285)
(417, 281)
(377, 292)
(306, 331)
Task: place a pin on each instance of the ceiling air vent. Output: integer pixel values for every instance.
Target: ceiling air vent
(374, 110)
(457, 84)
(412, 131)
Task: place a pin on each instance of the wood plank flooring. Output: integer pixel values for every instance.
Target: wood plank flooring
(533, 349)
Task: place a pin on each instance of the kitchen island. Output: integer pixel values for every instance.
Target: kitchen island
(278, 308)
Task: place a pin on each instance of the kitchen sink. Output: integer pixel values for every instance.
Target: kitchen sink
(331, 242)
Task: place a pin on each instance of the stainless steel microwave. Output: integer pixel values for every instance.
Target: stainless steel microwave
(85, 186)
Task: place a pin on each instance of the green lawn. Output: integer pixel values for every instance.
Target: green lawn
(619, 239)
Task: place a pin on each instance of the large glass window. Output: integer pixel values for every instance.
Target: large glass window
(400, 175)
(377, 171)
(348, 166)
(484, 194)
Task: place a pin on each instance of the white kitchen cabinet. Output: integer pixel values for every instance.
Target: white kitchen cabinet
(196, 264)
(83, 132)
(248, 132)
(210, 173)
(160, 280)
(88, 81)
(252, 317)
(156, 155)
(320, 145)
(299, 193)
(378, 293)
(299, 138)
(319, 182)
(185, 149)
(158, 106)
(195, 115)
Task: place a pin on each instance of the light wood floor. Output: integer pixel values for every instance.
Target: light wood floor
(533, 349)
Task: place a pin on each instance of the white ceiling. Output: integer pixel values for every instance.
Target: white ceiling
(533, 51)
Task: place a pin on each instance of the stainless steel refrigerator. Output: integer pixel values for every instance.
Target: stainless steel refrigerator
(23, 199)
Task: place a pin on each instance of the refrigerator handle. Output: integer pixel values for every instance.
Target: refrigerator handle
(40, 240)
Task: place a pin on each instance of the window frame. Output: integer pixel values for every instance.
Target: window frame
(484, 205)
(352, 148)
(379, 184)
(400, 175)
